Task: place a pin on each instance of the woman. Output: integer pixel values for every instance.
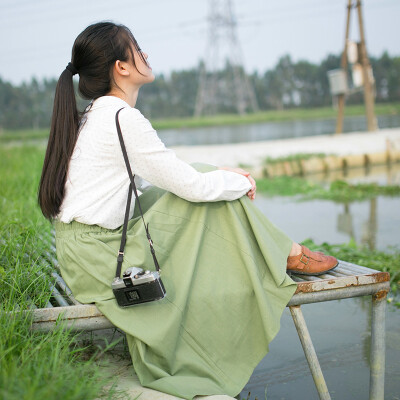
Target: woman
(224, 264)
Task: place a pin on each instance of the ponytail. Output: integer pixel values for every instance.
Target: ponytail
(94, 52)
(62, 139)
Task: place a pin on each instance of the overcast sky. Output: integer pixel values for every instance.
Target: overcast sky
(36, 36)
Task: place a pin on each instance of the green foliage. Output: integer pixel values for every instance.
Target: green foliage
(288, 85)
(33, 365)
(338, 191)
(388, 261)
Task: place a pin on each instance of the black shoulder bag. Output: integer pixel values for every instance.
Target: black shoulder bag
(137, 285)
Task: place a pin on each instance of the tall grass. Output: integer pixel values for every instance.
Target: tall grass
(20, 227)
(43, 366)
(32, 365)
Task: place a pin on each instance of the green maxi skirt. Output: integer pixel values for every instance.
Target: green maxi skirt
(224, 269)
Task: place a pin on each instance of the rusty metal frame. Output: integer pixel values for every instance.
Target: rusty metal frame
(346, 281)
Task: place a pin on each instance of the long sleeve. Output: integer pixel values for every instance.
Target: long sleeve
(152, 161)
(97, 182)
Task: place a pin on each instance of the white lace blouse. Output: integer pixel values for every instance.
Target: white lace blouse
(97, 181)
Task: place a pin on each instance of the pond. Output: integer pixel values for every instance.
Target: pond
(268, 130)
(340, 330)
(374, 222)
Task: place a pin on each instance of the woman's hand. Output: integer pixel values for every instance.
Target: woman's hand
(251, 194)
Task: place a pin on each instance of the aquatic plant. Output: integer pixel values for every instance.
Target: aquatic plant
(339, 191)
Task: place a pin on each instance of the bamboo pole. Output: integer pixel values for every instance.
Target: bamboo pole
(343, 64)
(367, 79)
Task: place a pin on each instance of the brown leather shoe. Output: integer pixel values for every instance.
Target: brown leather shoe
(311, 262)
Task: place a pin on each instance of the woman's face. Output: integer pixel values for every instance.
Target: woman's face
(142, 73)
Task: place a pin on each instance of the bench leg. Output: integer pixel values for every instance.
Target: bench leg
(309, 352)
(377, 373)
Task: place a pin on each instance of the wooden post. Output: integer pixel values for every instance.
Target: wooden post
(343, 64)
(367, 79)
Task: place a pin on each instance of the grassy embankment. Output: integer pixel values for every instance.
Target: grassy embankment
(229, 119)
(33, 365)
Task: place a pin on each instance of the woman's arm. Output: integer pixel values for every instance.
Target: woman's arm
(152, 161)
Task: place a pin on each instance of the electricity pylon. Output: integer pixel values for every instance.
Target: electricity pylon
(223, 47)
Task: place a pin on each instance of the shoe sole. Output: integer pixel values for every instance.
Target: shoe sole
(309, 274)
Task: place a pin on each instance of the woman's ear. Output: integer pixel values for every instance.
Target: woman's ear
(121, 68)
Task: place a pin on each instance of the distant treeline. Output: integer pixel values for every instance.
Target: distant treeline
(289, 84)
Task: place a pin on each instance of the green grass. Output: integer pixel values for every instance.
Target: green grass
(23, 134)
(33, 365)
(44, 365)
(286, 186)
(227, 119)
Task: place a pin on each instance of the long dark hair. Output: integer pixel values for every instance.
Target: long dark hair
(94, 53)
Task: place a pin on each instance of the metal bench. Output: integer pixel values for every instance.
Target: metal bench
(347, 280)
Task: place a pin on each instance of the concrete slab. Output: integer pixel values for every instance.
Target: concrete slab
(128, 387)
(116, 363)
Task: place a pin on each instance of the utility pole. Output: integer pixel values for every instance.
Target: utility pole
(212, 89)
(367, 77)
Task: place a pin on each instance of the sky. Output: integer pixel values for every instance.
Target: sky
(36, 36)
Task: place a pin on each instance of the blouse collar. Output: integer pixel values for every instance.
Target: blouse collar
(106, 101)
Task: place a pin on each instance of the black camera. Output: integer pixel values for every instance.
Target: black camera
(138, 286)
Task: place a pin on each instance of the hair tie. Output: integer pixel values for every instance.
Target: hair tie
(71, 68)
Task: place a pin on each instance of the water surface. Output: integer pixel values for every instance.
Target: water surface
(268, 130)
(340, 330)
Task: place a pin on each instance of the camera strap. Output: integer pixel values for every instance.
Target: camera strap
(132, 186)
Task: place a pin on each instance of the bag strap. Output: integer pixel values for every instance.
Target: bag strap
(132, 185)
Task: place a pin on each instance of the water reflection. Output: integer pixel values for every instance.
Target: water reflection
(370, 226)
(380, 174)
(368, 229)
(345, 221)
